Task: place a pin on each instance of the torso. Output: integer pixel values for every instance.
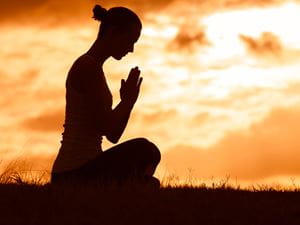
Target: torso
(82, 136)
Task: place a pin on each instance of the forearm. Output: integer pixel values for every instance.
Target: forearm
(129, 92)
(119, 119)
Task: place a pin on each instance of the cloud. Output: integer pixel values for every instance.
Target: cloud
(191, 8)
(202, 117)
(267, 44)
(293, 89)
(156, 117)
(36, 11)
(15, 89)
(7, 81)
(268, 148)
(47, 122)
(157, 122)
(188, 39)
(56, 12)
(247, 3)
(269, 48)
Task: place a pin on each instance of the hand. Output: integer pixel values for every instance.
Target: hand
(130, 88)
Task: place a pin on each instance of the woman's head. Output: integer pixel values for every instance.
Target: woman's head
(121, 25)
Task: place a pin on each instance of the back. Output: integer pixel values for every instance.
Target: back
(85, 109)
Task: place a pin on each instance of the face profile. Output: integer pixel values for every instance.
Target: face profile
(123, 42)
(120, 29)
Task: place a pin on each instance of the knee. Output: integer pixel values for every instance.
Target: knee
(149, 150)
(154, 152)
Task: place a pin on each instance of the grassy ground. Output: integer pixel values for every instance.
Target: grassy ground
(36, 203)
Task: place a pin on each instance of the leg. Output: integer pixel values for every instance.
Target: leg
(134, 158)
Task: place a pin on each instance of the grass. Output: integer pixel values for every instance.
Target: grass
(27, 198)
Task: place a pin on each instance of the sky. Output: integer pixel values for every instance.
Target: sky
(221, 89)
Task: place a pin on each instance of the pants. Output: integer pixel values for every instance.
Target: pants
(133, 159)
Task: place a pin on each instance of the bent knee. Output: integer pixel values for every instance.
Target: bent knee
(156, 156)
(149, 150)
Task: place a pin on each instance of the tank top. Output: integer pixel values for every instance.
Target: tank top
(82, 135)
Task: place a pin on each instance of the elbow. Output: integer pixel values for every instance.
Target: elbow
(113, 138)
(112, 134)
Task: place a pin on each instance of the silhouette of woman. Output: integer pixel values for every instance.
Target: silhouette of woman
(89, 114)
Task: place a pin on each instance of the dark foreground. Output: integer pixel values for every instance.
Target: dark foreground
(32, 204)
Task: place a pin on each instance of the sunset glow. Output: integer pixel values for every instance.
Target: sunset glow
(221, 90)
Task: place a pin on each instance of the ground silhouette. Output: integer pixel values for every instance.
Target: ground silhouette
(106, 205)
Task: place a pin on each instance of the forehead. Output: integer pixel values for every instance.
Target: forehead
(133, 33)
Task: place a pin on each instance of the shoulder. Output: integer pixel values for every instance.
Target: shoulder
(85, 67)
(86, 62)
(87, 58)
(83, 73)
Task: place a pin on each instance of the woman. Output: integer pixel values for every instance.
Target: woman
(89, 114)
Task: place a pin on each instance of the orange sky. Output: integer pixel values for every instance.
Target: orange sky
(221, 90)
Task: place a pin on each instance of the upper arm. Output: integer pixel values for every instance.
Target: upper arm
(83, 75)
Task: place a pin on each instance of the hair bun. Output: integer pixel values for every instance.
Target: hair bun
(99, 13)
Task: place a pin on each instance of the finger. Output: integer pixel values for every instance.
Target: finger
(123, 83)
(136, 77)
(130, 75)
(140, 82)
(134, 71)
(133, 76)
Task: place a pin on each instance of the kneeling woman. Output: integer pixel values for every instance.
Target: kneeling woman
(89, 114)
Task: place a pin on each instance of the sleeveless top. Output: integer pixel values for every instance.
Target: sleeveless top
(82, 135)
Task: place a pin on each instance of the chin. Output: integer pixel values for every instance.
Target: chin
(118, 57)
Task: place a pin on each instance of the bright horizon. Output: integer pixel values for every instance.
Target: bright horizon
(220, 94)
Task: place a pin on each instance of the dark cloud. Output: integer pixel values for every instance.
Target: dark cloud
(269, 49)
(267, 44)
(189, 40)
(268, 148)
(40, 12)
(57, 12)
(47, 122)
(202, 8)
(247, 3)
(142, 6)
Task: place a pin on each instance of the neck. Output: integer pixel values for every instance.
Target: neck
(99, 51)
